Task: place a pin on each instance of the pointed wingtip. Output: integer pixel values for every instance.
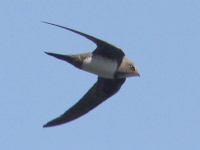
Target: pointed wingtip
(54, 122)
(93, 39)
(56, 25)
(51, 54)
(46, 125)
(45, 22)
(49, 124)
(47, 53)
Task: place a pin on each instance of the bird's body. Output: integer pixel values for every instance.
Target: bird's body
(106, 61)
(100, 66)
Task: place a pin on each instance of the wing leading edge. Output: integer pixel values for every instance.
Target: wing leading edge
(101, 90)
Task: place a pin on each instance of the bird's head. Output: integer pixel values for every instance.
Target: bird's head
(127, 69)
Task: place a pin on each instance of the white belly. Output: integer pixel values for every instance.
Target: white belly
(101, 66)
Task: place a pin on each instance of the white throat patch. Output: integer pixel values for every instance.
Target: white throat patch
(100, 66)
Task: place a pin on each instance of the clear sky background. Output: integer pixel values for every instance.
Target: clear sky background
(158, 111)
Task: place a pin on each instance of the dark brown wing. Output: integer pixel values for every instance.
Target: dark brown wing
(103, 48)
(101, 90)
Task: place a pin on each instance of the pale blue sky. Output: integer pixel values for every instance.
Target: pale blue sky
(158, 111)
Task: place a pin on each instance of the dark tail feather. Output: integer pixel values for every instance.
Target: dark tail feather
(68, 58)
(59, 56)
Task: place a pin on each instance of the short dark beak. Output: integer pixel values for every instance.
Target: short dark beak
(138, 75)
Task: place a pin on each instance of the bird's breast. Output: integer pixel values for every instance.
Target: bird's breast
(101, 66)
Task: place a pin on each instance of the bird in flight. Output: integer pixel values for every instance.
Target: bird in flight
(108, 62)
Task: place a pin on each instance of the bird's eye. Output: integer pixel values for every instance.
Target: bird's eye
(132, 68)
